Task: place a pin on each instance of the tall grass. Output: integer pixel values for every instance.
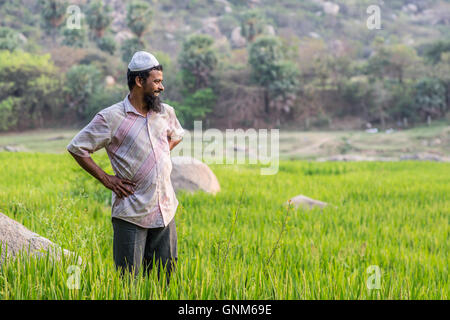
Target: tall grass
(242, 243)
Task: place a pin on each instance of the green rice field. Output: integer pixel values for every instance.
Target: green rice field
(243, 243)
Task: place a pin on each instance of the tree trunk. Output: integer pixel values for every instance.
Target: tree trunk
(266, 101)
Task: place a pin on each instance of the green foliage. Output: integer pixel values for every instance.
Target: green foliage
(102, 98)
(357, 96)
(139, 14)
(270, 70)
(82, 82)
(434, 51)
(107, 44)
(252, 24)
(264, 54)
(10, 39)
(129, 47)
(198, 59)
(286, 78)
(402, 102)
(8, 119)
(391, 61)
(52, 12)
(195, 107)
(30, 89)
(74, 37)
(98, 17)
(227, 23)
(430, 97)
(87, 92)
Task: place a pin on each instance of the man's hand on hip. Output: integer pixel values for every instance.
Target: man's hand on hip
(121, 187)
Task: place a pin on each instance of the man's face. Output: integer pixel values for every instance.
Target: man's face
(154, 85)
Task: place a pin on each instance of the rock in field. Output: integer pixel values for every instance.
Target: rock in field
(14, 148)
(14, 237)
(422, 157)
(305, 202)
(191, 175)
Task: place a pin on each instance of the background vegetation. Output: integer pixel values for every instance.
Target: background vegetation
(287, 64)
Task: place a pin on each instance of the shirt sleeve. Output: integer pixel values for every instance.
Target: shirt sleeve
(91, 138)
(175, 132)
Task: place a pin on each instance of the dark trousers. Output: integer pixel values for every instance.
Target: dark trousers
(135, 246)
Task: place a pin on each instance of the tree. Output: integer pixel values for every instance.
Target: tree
(270, 70)
(195, 106)
(434, 51)
(441, 70)
(107, 44)
(53, 13)
(198, 59)
(129, 47)
(390, 61)
(401, 58)
(252, 24)
(74, 37)
(30, 90)
(98, 17)
(138, 17)
(430, 97)
(10, 39)
(83, 81)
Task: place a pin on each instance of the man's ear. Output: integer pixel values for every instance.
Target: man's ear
(138, 82)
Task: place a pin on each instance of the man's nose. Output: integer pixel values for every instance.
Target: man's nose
(161, 87)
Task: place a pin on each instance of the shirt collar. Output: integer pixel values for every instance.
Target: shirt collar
(129, 107)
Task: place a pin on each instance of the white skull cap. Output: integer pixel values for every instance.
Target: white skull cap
(142, 60)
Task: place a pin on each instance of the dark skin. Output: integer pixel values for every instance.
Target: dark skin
(124, 187)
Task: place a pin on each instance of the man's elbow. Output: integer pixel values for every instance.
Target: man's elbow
(72, 154)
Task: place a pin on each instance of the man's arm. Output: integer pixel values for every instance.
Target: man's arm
(172, 143)
(175, 132)
(91, 138)
(121, 187)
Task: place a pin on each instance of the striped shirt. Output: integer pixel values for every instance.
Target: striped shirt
(138, 149)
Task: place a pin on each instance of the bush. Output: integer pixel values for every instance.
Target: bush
(402, 103)
(129, 47)
(198, 59)
(10, 39)
(30, 90)
(107, 44)
(74, 37)
(195, 107)
(7, 118)
(430, 97)
(103, 98)
(83, 82)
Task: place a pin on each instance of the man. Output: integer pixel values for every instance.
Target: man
(138, 134)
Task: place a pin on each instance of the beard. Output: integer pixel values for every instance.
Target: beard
(152, 102)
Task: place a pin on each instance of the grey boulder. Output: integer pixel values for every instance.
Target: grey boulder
(14, 238)
(191, 175)
(305, 202)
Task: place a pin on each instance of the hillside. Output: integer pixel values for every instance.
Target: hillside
(343, 69)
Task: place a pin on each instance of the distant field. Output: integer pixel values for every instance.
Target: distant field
(293, 144)
(391, 215)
